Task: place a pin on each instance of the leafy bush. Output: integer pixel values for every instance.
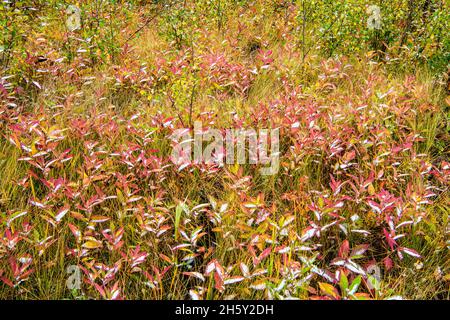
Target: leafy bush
(88, 183)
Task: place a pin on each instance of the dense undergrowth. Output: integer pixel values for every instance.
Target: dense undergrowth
(86, 178)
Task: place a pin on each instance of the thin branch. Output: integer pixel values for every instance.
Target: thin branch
(191, 104)
(146, 23)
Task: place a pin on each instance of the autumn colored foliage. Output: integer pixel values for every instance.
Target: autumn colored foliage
(359, 206)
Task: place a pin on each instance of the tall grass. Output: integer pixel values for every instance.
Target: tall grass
(86, 179)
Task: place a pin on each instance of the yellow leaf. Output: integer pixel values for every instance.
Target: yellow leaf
(371, 189)
(99, 218)
(77, 215)
(328, 289)
(120, 196)
(33, 149)
(92, 244)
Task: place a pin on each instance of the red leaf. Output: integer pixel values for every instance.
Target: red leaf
(218, 282)
(344, 249)
(391, 242)
(388, 264)
(411, 252)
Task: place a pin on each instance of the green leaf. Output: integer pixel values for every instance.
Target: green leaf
(343, 282)
(355, 285)
(178, 212)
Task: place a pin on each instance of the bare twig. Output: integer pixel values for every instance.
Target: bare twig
(146, 23)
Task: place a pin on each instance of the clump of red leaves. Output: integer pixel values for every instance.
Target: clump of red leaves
(99, 190)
